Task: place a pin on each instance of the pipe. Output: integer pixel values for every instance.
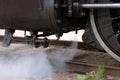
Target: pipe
(104, 5)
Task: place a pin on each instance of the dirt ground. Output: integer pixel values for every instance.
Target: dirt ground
(57, 76)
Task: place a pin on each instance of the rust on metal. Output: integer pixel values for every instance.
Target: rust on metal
(79, 67)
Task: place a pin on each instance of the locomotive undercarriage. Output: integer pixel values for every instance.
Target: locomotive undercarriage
(99, 18)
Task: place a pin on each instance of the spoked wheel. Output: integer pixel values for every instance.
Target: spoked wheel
(106, 28)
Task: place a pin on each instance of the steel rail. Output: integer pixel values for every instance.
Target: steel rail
(79, 67)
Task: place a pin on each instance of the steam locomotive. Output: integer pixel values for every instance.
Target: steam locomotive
(99, 18)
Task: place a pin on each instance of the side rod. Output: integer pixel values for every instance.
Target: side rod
(100, 5)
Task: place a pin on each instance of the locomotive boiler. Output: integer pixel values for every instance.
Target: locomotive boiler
(99, 18)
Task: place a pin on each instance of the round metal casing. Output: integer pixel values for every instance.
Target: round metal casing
(32, 15)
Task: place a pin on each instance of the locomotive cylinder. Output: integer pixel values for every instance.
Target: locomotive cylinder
(41, 15)
(33, 15)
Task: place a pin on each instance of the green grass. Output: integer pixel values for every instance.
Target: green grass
(94, 75)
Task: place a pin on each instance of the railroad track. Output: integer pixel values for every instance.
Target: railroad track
(77, 66)
(80, 67)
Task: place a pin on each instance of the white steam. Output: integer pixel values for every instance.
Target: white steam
(27, 62)
(58, 56)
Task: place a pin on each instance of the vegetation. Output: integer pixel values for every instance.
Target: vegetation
(94, 75)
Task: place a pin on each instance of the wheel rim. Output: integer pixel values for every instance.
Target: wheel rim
(104, 29)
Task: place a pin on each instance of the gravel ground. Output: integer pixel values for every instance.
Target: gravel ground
(57, 76)
(24, 62)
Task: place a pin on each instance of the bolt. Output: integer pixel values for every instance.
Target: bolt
(82, 14)
(58, 21)
(56, 5)
(118, 24)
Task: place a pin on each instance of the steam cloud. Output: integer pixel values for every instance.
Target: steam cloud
(25, 61)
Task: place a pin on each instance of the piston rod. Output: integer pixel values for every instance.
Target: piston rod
(104, 5)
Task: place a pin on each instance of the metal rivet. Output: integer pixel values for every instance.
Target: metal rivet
(58, 21)
(56, 5)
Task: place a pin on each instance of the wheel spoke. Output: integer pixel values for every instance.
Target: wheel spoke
(116, 18)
